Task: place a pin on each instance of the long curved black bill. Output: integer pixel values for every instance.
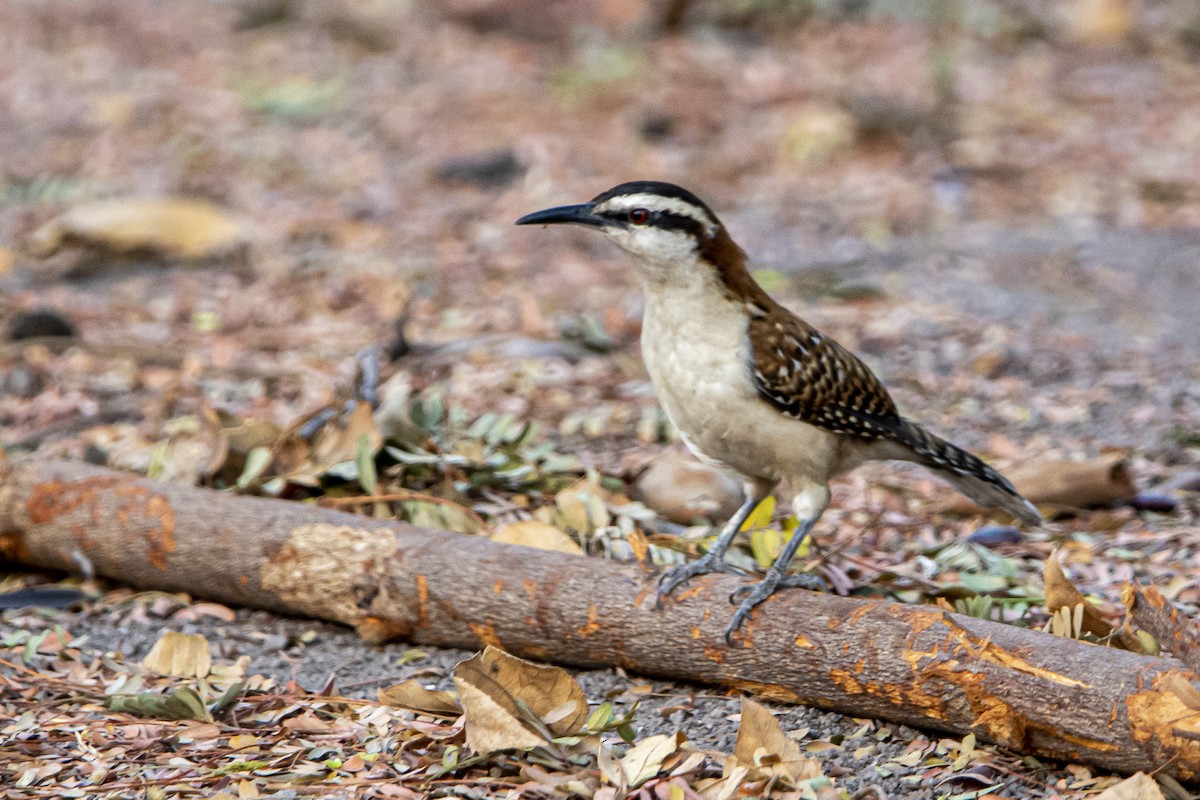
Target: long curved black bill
(579, 215)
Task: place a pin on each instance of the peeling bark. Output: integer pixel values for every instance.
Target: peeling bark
(1155, 614)
(919, 665)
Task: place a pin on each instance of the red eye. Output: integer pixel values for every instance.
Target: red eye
(639, 216)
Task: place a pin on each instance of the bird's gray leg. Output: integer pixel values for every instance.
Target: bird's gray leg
(714, 559)
(808, 505)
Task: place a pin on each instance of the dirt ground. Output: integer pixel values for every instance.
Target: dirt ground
(998, 209)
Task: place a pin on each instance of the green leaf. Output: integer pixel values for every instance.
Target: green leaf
(497, 433)
(599, 719)
(481, 426)
(257, 461)
(183, 703)
(983, 583)
(227, 698)
(364, 459)
(32, 644)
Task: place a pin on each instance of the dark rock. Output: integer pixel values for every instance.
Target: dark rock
(37, 323)
(656, 126)
(486, 170)
(1158, 503)
(42, 597)
(94, 454)
(995, 535)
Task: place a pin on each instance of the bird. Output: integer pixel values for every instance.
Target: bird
(751, 387)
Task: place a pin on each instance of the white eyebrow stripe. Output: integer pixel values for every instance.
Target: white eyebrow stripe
(655, 202)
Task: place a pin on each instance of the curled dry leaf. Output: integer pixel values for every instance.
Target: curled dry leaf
(414, 696)
(1060, 592)
(1102, 481)
(184, 655)
(763, 747)
(173, 227)
(500, 693)
(538, 534)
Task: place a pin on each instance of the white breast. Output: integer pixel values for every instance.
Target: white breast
(694, 343)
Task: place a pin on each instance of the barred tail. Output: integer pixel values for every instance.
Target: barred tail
(983, 485)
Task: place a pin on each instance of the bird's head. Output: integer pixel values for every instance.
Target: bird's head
(665, 226)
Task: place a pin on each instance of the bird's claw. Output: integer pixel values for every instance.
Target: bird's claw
(676, 576)
(747, 597)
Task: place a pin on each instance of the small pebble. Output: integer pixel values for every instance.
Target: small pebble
(995, 535)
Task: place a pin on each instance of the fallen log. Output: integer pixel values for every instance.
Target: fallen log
(919, 665)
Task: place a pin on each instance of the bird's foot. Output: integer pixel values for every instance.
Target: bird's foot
(676, 576)
(747, 597)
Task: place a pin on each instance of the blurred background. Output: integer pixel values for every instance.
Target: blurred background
(995, 202)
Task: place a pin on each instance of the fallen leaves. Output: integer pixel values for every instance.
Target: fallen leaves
(182, 703)
(171, 227)
(1065, 485)
(115, 724)
(1138, 786)
(512, 704)
(537, 534)
(765, 751)
(183, 655)
(413, 695)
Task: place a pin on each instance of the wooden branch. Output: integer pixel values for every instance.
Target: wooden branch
(919, 665)
(1155, 614)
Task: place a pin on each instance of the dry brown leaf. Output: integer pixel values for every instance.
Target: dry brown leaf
(537, 534)
(1138, 786)
(414, 696)
(581, 507)
(245, 435)
(1060, 592)
(610, 768)
(762, 746)
(645, 759)
(500, 692)
(184, 655)
(307, 722)
(173, 227)
(338, 442)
